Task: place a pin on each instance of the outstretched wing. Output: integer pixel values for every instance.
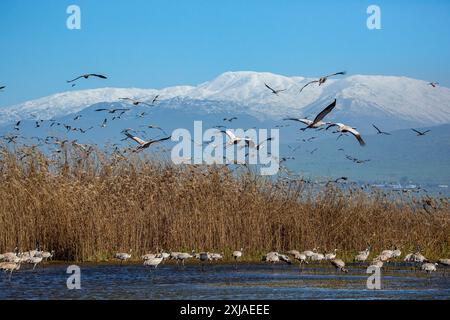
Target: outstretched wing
(311, 82)
(379, 131)
(305, 121)
(416, 131)
(335, 74)
(97, 75)
(162, 139)
(102, 109)
(138, 140)
(323, 113)
(230, 134)
(268, 87)
(69, 81)
(357, 136)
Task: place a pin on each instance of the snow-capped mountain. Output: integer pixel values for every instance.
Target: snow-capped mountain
(397, 102)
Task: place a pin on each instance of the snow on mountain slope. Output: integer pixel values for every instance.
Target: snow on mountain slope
(399, 100)
(61, 104)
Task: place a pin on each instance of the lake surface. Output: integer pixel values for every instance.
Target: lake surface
(222, 281)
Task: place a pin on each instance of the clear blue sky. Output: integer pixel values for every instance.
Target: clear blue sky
(154, 44)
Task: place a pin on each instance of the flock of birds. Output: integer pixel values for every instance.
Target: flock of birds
(11, 261)
(305, 257)
(318, 123)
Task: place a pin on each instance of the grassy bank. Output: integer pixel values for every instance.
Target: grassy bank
(87, 207)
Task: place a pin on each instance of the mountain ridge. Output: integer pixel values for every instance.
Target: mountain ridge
(401, 100)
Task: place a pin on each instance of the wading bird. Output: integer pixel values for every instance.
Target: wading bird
(154, 261)
(273, 90)
(433, 84)
(331, 256)
(34, 260)
(362, 255)
(10, 266)
(144, 144)
(429, 267)
(183, 256)
(420, 133)
(379, 131)
(339, 265)
(123, 256)
(322, 80)
(86, 76)
(344, 128)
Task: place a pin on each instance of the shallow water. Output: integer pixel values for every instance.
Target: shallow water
(222, 281)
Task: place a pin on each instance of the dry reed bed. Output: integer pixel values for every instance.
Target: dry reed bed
(87, 207)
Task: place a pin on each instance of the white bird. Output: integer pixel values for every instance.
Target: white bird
(382, 257)
(122, 256)
(309, 122)
(418, 257)
(339, 265)
(45, 254)
(409, 257)
(235, 140)
(317, 257)
(8, 257)
(148, 256)
(238, 254)
(183, 256)
(284, 258)
(300, 257)
(362, 255)
(331, 256)
(293, 252)
(34, 261)
(174, 255)
(342, 128)
(165, 255)
(444, 262)
(271, 257)
(387, 253)
(309, 253)
(216, 256)
(429, 267)
(396, 253)
(144, 144)
(154, 261)
(9, 266)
